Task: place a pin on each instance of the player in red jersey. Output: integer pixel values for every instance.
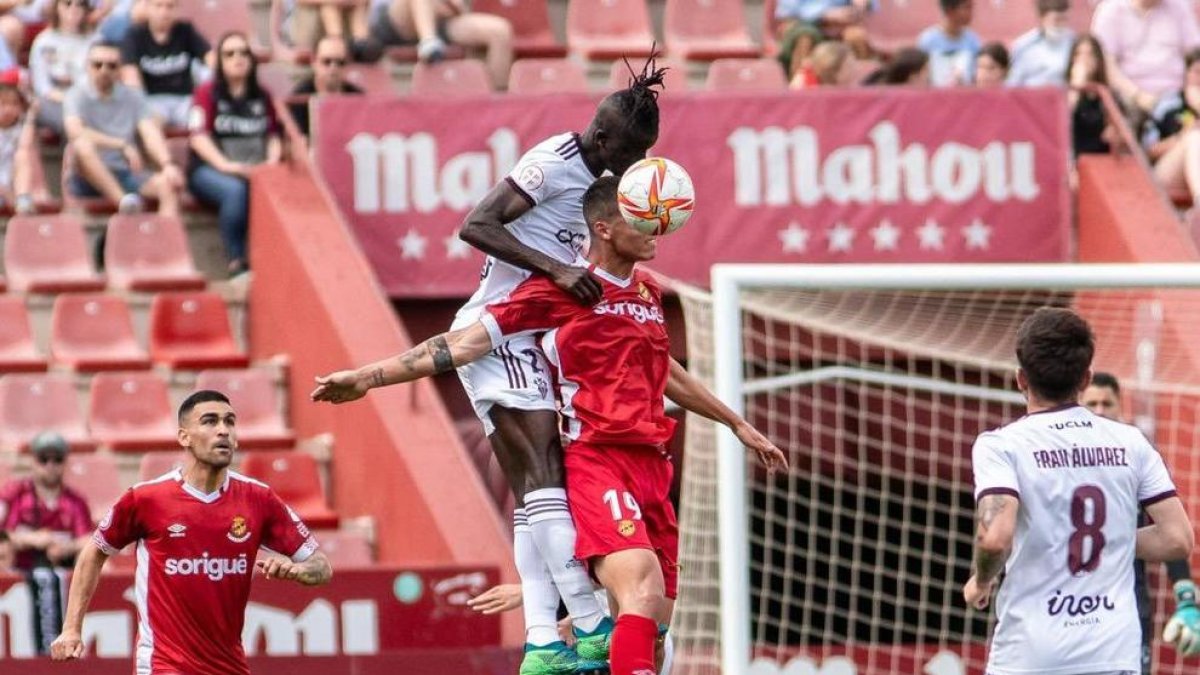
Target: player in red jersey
(198, 530)
(613, 364)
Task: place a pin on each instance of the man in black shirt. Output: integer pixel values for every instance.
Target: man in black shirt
(159, 56)
(329, 77)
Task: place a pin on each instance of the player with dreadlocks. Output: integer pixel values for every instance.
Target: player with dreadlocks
(532, 223)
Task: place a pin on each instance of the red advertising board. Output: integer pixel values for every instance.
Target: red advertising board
(865, 175)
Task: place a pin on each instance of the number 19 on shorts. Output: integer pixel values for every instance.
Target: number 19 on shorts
(614, 500)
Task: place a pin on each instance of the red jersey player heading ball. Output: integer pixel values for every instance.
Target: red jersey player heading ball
(198, 530)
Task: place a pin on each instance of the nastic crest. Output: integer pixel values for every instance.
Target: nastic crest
(239, 531)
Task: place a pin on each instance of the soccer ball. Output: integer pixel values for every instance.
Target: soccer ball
(656, 196)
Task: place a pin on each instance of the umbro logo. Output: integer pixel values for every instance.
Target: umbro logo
(177, 530)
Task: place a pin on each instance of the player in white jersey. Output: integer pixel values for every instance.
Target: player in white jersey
(1057, 496)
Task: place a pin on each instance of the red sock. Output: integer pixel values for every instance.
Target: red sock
(632, 651)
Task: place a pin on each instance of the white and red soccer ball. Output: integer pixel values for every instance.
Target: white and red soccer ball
(656, 196)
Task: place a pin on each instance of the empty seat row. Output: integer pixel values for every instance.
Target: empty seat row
(132, 411)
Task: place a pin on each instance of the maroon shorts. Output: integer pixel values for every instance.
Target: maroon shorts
(620, 499)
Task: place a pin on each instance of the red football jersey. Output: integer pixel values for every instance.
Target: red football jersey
(195, 560)
(612, 358)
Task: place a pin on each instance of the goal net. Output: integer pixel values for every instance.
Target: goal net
(875, 380)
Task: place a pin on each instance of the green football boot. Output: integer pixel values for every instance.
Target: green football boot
(557, 658)
(594, 646)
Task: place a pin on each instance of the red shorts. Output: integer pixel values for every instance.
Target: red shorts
(620, 500)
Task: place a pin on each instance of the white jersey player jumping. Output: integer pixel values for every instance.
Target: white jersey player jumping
(1057, 496)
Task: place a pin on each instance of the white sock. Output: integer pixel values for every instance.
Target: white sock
(538, 595)
(668, 654)
(554, 533)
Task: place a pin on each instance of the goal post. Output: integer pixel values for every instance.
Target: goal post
(774, 339)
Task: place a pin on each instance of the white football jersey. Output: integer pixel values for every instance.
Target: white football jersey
(552, 177)
(1067, 603)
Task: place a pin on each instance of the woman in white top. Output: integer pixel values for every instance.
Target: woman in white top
(57, 59)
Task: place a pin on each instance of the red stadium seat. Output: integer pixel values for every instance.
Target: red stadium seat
(746, 75)
(191, 331)
(530, 20)
(674, 81)
(96, 477)
(371, 78)
(132, 412)
(294, 477)
(897, 23)
(18, 353)
(450, 78)
(33, 403)
(214, 18)
(345, 548)
(256, 399)
(6, 470)
(155, 464)
(703, 30)
(770, 29)
(48, 254)
(547, 76)
(609, 29)
(147, 252)
(1004, 20)
(94, 331)
(1080, 15)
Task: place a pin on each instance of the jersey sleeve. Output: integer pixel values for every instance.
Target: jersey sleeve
(200, 117)
(120, 527)
(993, 468)
(284, 532)
(536, 176)
(536, 306)
(1154, 481)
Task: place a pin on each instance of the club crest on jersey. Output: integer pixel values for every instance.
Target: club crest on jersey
(626, 528)
(239, 531)
(643, 292)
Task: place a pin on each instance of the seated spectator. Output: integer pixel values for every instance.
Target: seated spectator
(829, 65)
(57, 60)
(1086, 68)
(951, 45)
(20, 20)
(430, 24)
(1145, 41)
(8, 555)
(1171, 138)
(991, 66)
(47, 521)
(1039, 57)
(104, 120)
(233, 129)
(120, 17)
(159, 57)
(909, 66)
(329, 71)
(304, 24)
(18, 142)
(802, 24)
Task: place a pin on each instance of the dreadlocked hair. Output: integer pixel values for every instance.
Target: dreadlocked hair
(638, 102)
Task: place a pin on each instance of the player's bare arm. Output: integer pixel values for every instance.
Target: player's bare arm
(438, 354)
(69, 643)
(693, 396)
(995, 524)
(1170, 537)
(314, 571)
(485, 230)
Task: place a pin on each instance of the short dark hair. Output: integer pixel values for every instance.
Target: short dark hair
(1055, 348)
(951, 5)
(997, 52)
(1044, 7)
(1106, 380)
(600, 199)
(198, 397)
(104, 44)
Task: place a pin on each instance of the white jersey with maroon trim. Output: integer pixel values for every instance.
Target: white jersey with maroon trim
(195, 560)
(1067, 602)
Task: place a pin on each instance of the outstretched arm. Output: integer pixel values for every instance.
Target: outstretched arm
(996, 522)
(693, 396)
(439, 354)
(69, 643)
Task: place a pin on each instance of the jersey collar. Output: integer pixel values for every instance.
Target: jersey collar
(207, 498)
(610, 278)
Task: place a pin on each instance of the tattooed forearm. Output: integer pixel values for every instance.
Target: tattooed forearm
(443, 362)
(377, 378)
(988, 563)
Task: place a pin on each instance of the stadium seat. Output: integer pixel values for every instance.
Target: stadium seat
(1004, 20)
(770, 29)
(131, 412)
(547, 76)
(371, 78)
(1080, 14)
(276, 77)
(345, 548)
(214, 18)
(191, 331)
(530, 20)
(450, 78)
(703, 30)
(6, 470)
(96, 477)
(48, 254)
(256, 400)
(675, 80)
(609, 29)
(94, 331)
(294, 477)
(18, 352)
(148, 252)
(896, 23)
(745, 75)
(33, 403)
(155, 464)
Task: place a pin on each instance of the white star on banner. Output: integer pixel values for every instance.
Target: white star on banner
(412, 245)
(886, 236)
(931, 235)
(457, 248)
(794, 238)
(977, 235)
(841, 238)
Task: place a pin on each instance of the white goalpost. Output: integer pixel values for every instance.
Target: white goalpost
(875, 379)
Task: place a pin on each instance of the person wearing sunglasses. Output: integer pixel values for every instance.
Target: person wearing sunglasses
(161, 56)
(328, 77)
(47, 521)
(58, 59)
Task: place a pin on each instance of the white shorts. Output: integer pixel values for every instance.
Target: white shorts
(514, 375)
